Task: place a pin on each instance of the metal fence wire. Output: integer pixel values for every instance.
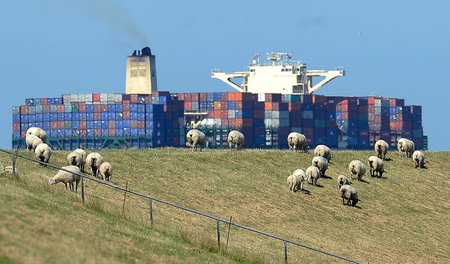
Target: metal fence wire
(152, 199)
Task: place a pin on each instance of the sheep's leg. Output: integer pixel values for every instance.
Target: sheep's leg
(66, 185)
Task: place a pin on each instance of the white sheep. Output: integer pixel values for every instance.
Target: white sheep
(342, 180)
(381, 148)
(43, 152)
(295, 181)
(376, 166)
(94, 160)
(106, 171)
(236, 138)
(39, 132)
(350, 194)
(419, 159)
(313, 173)
(196, 138)
(32, 142)
(407, 146)
(67, 177)
(321, 163)
(75, 159)
(297, 141)
(323, 151)
(83, 155)
(356, 167)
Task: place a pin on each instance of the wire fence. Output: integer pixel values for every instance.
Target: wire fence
(153, 199)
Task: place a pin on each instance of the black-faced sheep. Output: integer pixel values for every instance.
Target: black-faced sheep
(67, 177)
(196, 138)
(32, 142)
(94, 160)
(376, 166)
(75, 159)
(106, 171)
(43, 152)
(321, 163)
(83, 155)
(342, 180)
(407, 146)
(313, 173)
(350, 194)
(236, 138)
(419, 159)
(381, 148)
(297, 141)
(39, 132)
(356, 167)
(323, 151)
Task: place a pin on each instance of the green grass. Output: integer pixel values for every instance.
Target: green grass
(402, 218)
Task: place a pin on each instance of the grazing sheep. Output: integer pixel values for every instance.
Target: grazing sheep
(350, 194)
(381, 148)
(9, 169)
(419, 159)
(32, 142)
(297, 141)
(75, 159)
(106, 171)
(67, 177)
(313, 173)
(342, 180)
(321, 163)
(407, 146)
(196, 138)
(323, 151)
(43, 152)
(357, 168)
(83, 155)
(236, 138)
(376, 165)
(39, 132)
(296, 180)
(94, 160)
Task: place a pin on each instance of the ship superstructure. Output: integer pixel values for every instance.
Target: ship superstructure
(279, 76)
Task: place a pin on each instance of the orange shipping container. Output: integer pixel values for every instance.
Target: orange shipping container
(268, 105)
(238, 122)
(217, 105)
(216, 113)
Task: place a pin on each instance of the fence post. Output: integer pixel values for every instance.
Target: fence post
(285, 251)
(13, 163)
(82, 189)
(151, 213)
(218, 234)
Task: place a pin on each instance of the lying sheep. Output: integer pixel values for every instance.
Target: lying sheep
(32, 142)
(407, 146)
(83, 155)
(376, 166)
(236, 138)
(297, 141)
(350, 194)
(323, 151)
(196, 138)
(321, 163)
(419, 159)
(357, 168)
(296, 180)
(381, 148)
(39, 132)
(313, 173)
(67, 177)
(106, 171)
(43, 152)
(94, 160)
(342, 180)
(75, 159)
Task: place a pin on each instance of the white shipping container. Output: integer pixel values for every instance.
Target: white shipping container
(88, 97)
(74, 97)
(66, 99)
(81, 98)
(103, 97)
(268, 123)
(110, 97)
(231, 114)
(118, 98)
(261, 97)
(275, 114)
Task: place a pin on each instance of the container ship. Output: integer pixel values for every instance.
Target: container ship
(273, 100)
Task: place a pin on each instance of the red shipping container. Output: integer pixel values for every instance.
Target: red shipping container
(104, 107)
(276, 106)
(96, 97)
(82, 107)
(342, 107)
(82, 124)
(126, 115)
(247, 122)
(97, 108)
(46, 109)
(44, 101)
(125, 107)
(111, 132)
(195, 97)
(223, 114)
(111, 124)
(268, 105)
(187, 105)
(371, 100)
(140, 124)
(97, 116)
(225, 123)
(181, 96)
(344, 115)
(238, 122)
(203, 97)
(60, 125)
(224, 97)
(217, 114)
(126, 102)
(133, 98)
(83, 132)
(16, 127)
(148, 99)
(97, 132)
(53, 124)
(60, 108)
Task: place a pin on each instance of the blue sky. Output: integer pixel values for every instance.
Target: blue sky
(391, 48)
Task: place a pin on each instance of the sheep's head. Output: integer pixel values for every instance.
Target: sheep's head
(52, 181)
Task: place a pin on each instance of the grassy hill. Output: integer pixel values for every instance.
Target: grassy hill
(402, 218)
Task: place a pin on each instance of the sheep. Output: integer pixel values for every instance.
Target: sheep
(236, 138)
(342, 180)
(313, 173)
(32, 142)
(376, 165)
(321, 163)
(407, 146)
(75, 158)
(419, 159)
(296, 180)
(9, 169)
(196, 138)
(297, 141)
(357, 168)
(381, 148)
(350, 194)
(43, 152)
(94, 160)
(39, 132)
(83, 155)
(106, 171)
(323, 151)
(67, 177)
